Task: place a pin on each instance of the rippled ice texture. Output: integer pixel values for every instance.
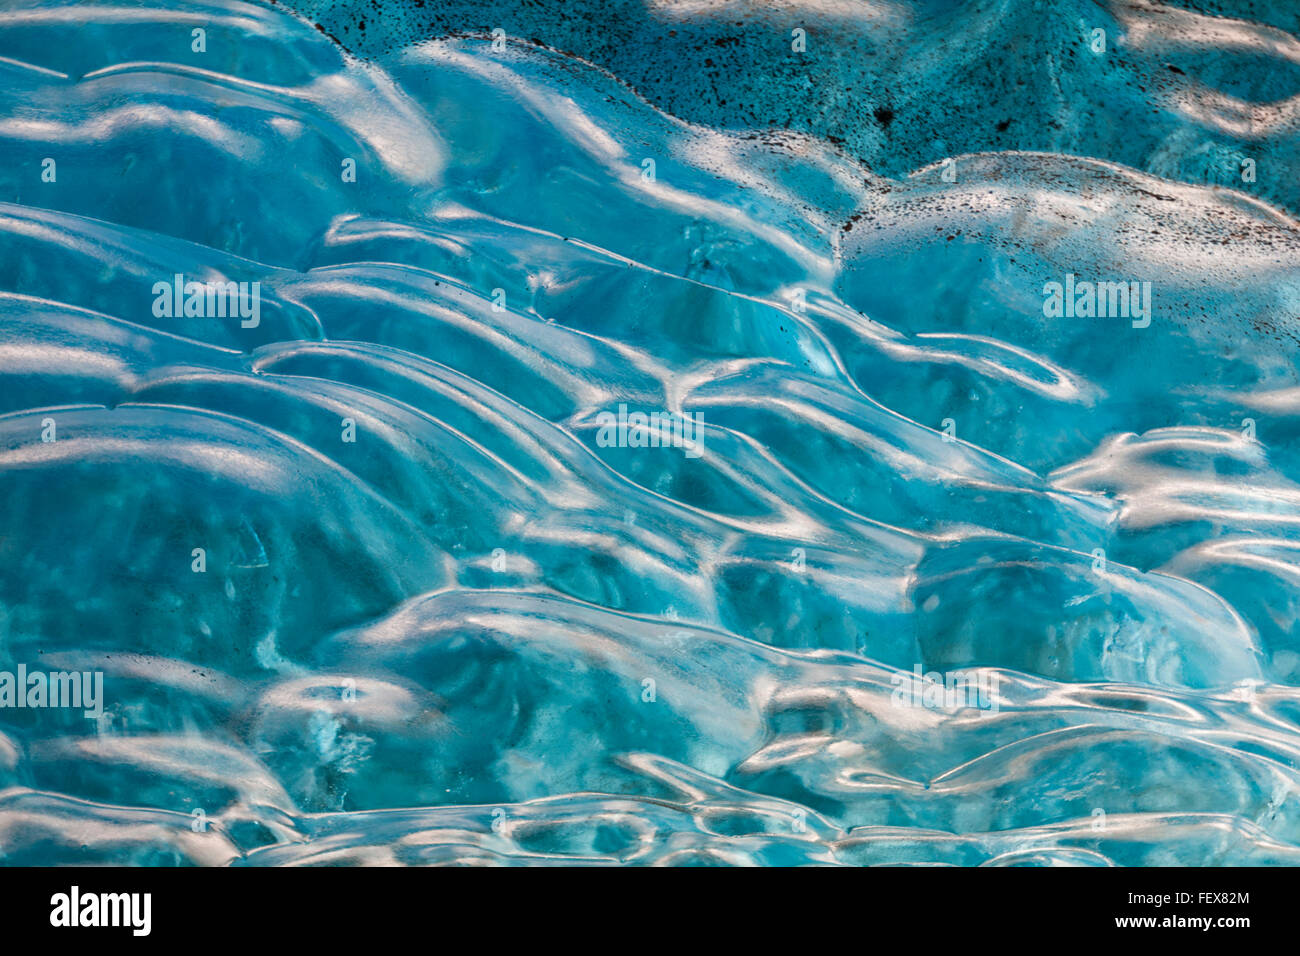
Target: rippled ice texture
(481, 633)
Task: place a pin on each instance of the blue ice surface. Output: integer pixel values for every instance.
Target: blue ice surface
(949, 574)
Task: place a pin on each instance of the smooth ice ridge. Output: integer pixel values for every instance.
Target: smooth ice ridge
(371, 580)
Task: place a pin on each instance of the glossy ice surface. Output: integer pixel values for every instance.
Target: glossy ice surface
(369, 578)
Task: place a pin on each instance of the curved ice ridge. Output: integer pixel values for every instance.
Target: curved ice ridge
(441, 618)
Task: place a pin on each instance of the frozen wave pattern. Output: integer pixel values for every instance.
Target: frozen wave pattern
(482, 633)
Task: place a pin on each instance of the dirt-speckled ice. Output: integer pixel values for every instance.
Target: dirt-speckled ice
(969, 559)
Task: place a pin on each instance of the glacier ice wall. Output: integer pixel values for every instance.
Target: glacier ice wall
(367, 579)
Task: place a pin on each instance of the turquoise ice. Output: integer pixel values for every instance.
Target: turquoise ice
(367, 582)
